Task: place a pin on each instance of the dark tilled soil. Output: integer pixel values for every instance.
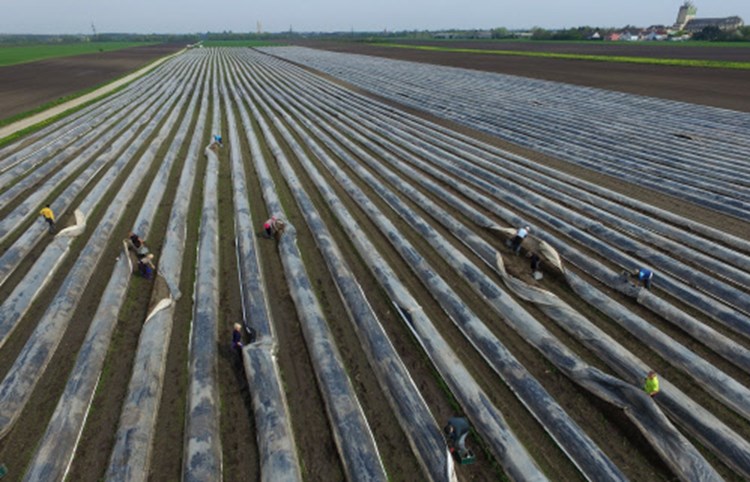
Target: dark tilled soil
(660, 50)
(26, 86)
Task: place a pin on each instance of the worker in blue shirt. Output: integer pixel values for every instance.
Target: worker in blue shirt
(644, 276)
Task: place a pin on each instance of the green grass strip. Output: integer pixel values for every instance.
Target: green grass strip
(21, 54)
(712, 64)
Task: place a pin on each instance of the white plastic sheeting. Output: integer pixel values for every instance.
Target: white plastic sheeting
(278, 453)
(359, 455)
(131, 455)
(55, 452)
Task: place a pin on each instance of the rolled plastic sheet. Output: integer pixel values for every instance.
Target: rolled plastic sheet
(489, 183)
(462, 144)
(356, 445)
(736, 395)
(278, 453)
(130, 459)
(10, 260)
(254, 301)
(278, 457)
(54, 453)
(556, 216)
(721, 344)
(15, 166)
(733, 440)
(727, 348)
(42, 144)
(202, 458)
(100, 139)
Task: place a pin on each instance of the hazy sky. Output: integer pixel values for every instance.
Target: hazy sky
(186, 16)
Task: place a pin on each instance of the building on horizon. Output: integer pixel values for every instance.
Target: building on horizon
(687, 21)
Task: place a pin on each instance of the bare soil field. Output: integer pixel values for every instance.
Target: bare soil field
(715, 87)
(604, 423)
(661, 50)
(26, 86)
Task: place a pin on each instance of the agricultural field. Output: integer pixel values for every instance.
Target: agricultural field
(715, 87)
(12, 55)
(39, 84)
(392, 300)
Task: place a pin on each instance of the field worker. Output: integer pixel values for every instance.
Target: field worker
(644, 276)
(135, 239)
(651, 384)
(536, 262)
(48, 216)
(278, 228)
(139, 245)
(237, 337)
(456, 431)
(268, 226)
(218, 140)
(521, 234)
(146, 266)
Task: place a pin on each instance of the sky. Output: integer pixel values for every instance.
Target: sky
(192, 16)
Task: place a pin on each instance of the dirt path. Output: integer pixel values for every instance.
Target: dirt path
(26, 86)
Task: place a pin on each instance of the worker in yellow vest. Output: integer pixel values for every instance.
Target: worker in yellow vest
(48, 216)
(651, 385)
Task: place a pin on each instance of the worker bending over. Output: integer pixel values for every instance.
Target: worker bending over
(274, 227)
(49, 217)
(644, 276)
(456, 431)
(651, 384)
(521, 234)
